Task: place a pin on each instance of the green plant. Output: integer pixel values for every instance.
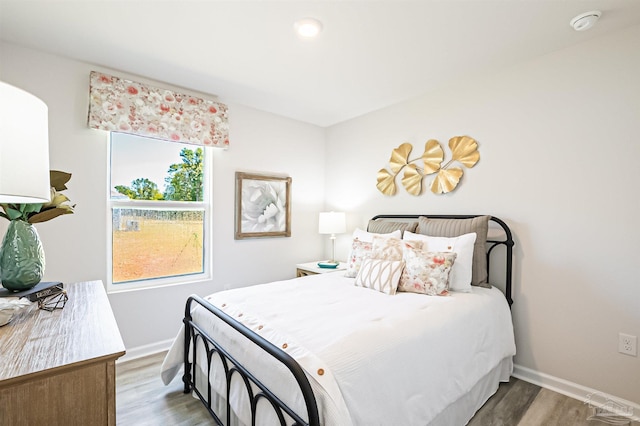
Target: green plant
(42, 212)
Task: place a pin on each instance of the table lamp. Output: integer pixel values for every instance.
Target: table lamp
(24, 147)
(24, 181)
(332, 223)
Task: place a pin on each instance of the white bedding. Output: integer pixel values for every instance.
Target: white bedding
(398, 359)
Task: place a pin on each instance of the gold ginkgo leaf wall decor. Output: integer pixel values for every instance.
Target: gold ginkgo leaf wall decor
(464, 150)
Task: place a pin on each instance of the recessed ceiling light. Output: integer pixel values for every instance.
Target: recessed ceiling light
(308, 27)
(586, 20)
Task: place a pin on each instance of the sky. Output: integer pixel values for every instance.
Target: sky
(134, 157)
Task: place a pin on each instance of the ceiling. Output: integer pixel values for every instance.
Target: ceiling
(370, 54)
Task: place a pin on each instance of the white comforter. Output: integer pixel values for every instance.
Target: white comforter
(397, 359)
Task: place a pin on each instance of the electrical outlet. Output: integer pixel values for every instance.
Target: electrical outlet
(627, 344)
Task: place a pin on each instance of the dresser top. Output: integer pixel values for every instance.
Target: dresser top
(84, 331)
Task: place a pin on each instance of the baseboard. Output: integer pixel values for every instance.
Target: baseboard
(574, 390)
(556, 384)
(145, 350)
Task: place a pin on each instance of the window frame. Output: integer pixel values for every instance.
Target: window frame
(205, 204)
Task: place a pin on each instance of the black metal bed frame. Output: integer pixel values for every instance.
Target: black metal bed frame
(231, 367)
(194, 333)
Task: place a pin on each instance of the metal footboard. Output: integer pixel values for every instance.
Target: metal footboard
(194, 333)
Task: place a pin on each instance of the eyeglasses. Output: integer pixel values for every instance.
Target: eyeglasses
(54, 301)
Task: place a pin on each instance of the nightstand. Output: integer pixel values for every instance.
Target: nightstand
(312, 268)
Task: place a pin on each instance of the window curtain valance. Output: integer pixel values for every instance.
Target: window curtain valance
(119, 105)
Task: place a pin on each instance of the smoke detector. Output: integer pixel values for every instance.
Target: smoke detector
(586, 20)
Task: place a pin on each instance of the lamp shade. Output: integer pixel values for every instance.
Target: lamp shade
(332, 223)
(24, 147)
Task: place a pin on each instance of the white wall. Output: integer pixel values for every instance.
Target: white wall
(75, 245)
(560, 151)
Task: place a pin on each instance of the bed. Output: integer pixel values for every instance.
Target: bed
(327, 350)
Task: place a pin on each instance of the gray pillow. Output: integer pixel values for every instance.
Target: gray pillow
(457, 227)
(385, 227)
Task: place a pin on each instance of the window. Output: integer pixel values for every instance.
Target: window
(160, 210)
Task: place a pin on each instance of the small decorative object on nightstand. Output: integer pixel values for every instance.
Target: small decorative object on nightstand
(312, 268)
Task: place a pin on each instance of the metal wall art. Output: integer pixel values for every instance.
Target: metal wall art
(464, 150)
(263, 206)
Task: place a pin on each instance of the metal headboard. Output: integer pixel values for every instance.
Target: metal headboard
(492, 243)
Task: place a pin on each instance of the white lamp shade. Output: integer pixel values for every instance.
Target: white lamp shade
(24, 147)
(332, 223)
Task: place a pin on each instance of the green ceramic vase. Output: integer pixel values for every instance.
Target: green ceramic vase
(21, 257)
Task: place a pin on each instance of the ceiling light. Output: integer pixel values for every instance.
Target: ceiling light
(308, 27)
(585, 21)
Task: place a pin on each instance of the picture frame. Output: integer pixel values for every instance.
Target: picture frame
(263, 206)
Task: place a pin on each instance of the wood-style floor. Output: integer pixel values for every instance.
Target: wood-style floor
(142, 399)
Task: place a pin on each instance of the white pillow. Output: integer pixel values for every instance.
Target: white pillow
(460, 279)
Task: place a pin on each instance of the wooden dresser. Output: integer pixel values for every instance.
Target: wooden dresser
(58, 368)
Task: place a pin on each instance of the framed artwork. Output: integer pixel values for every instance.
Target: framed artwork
(263, 206)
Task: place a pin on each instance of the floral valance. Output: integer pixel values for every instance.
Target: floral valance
(119, 105)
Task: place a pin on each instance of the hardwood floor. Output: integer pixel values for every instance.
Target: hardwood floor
(142, 399)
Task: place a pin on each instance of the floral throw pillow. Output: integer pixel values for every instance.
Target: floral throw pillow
(380, 275)
(359, 250)
(391, 248)
(463, 246)
(426, 272)
(362, 248)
